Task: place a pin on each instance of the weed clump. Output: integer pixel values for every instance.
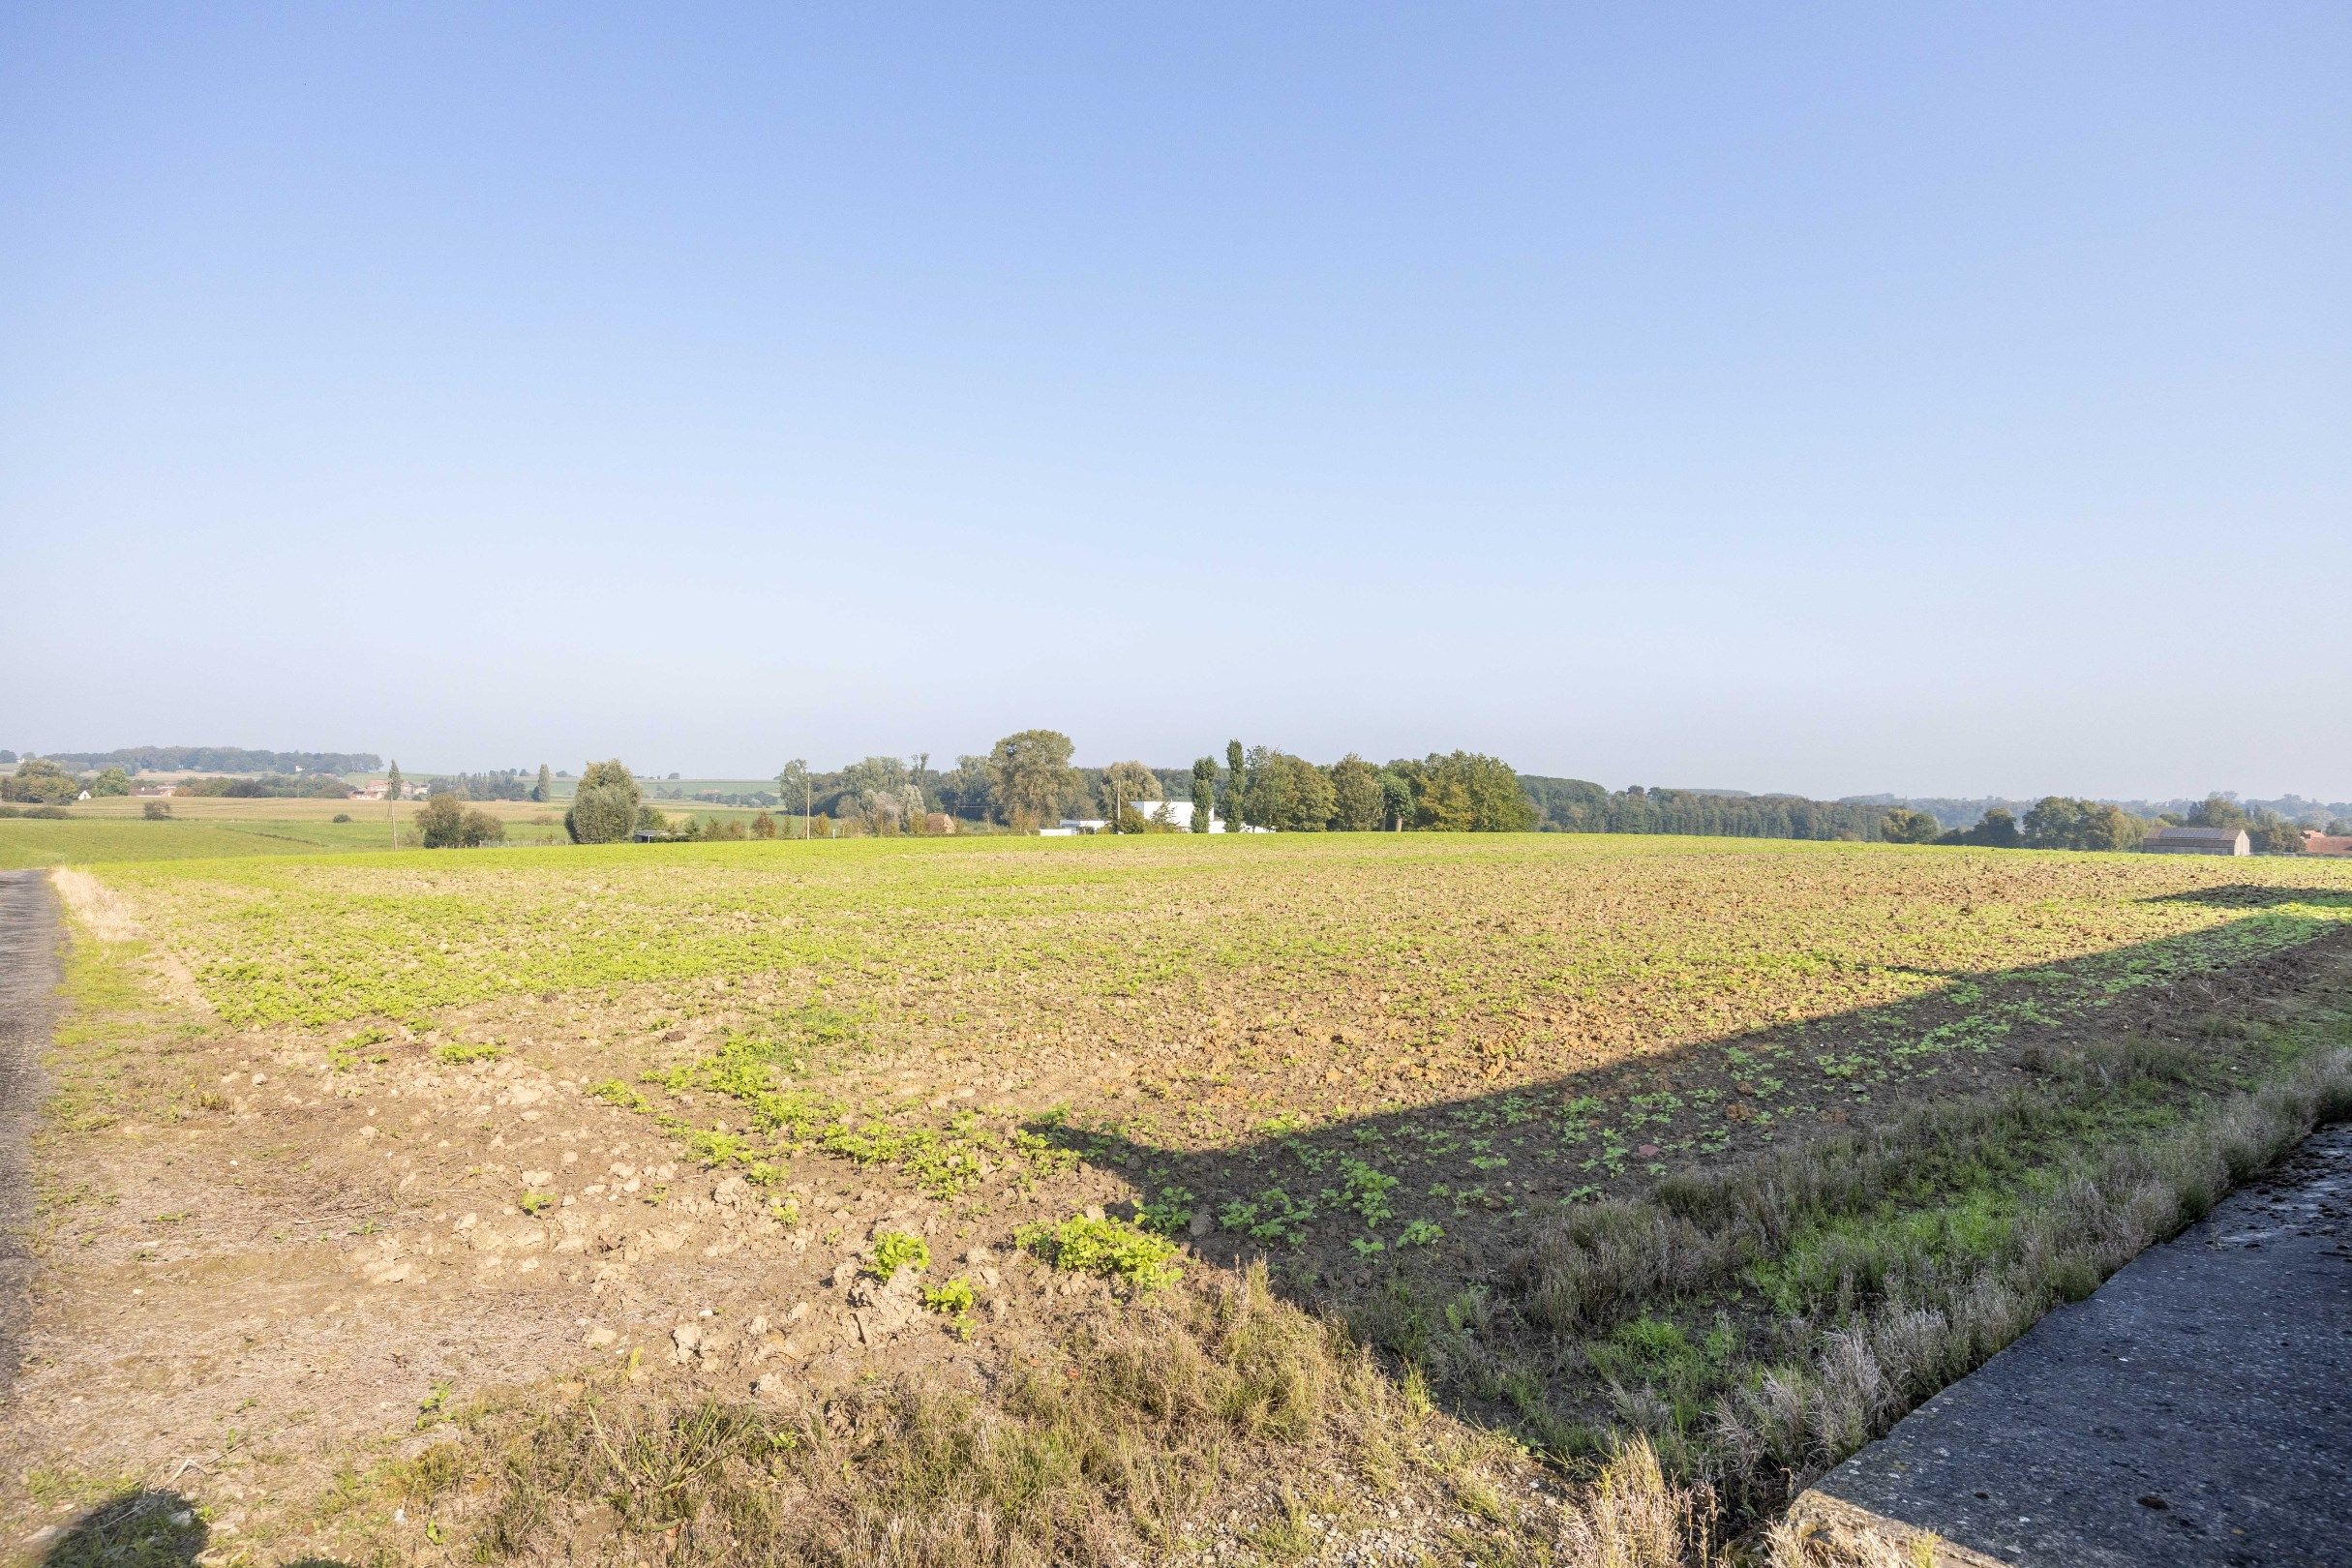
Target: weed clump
(1112, 1248)
(895, 1249)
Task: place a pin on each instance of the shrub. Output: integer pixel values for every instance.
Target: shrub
(478, 827)
(340, 816)
(159, 811)
(40, 781)
(440, 821)
(605, 809)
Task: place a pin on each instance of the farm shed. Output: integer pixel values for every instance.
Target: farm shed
(2198, 841)
(1176, 814)
(2332, 844)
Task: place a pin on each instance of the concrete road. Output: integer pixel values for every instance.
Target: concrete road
(2195, 1413)
(28, 984)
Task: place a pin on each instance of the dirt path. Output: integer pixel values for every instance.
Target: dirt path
(28, 982)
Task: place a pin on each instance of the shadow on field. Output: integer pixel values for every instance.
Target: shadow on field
(2243, 896)
(155, 1529)
(143, 1530)
(1413, 1219)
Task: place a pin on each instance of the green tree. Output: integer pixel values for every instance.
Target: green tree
(2055, 822)
(545, 787)
(1204, 791)
(965, 790)
(1443, 805)
(763, 826)
(1995, 829)
(2059, 822)
(1466, 791)
(2111, 827)
(1030, 779)
(1357, 805)
(1396, 799)
(1261, 795)
(1237, 787)
(2273, 834)
(1126, 782)
(604, 807)
(875, 789)
(1904, 825)
(2221, 811)
(1288, 793)
(797, 791)
(392, 781)
(112, 781)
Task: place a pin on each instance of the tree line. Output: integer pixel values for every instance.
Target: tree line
(498, 784)
(1028, 782)
(1577, 806)
(45, 781)
(2063, 822)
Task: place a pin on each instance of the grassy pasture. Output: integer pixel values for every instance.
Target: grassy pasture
(114, 828)
(214, 808)
(1576, 1139)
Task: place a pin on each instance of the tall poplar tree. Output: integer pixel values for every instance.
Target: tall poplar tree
(1204, 791)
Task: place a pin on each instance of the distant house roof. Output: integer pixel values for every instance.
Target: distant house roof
(2197, 840)
(2327, 843)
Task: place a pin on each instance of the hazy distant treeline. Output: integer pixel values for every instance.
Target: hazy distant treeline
(216, 760)
(1961, 811)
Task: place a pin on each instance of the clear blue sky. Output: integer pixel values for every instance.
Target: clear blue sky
(1942, 400)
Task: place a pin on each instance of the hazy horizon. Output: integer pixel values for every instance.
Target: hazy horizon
(1850, 402)
(942, 761)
